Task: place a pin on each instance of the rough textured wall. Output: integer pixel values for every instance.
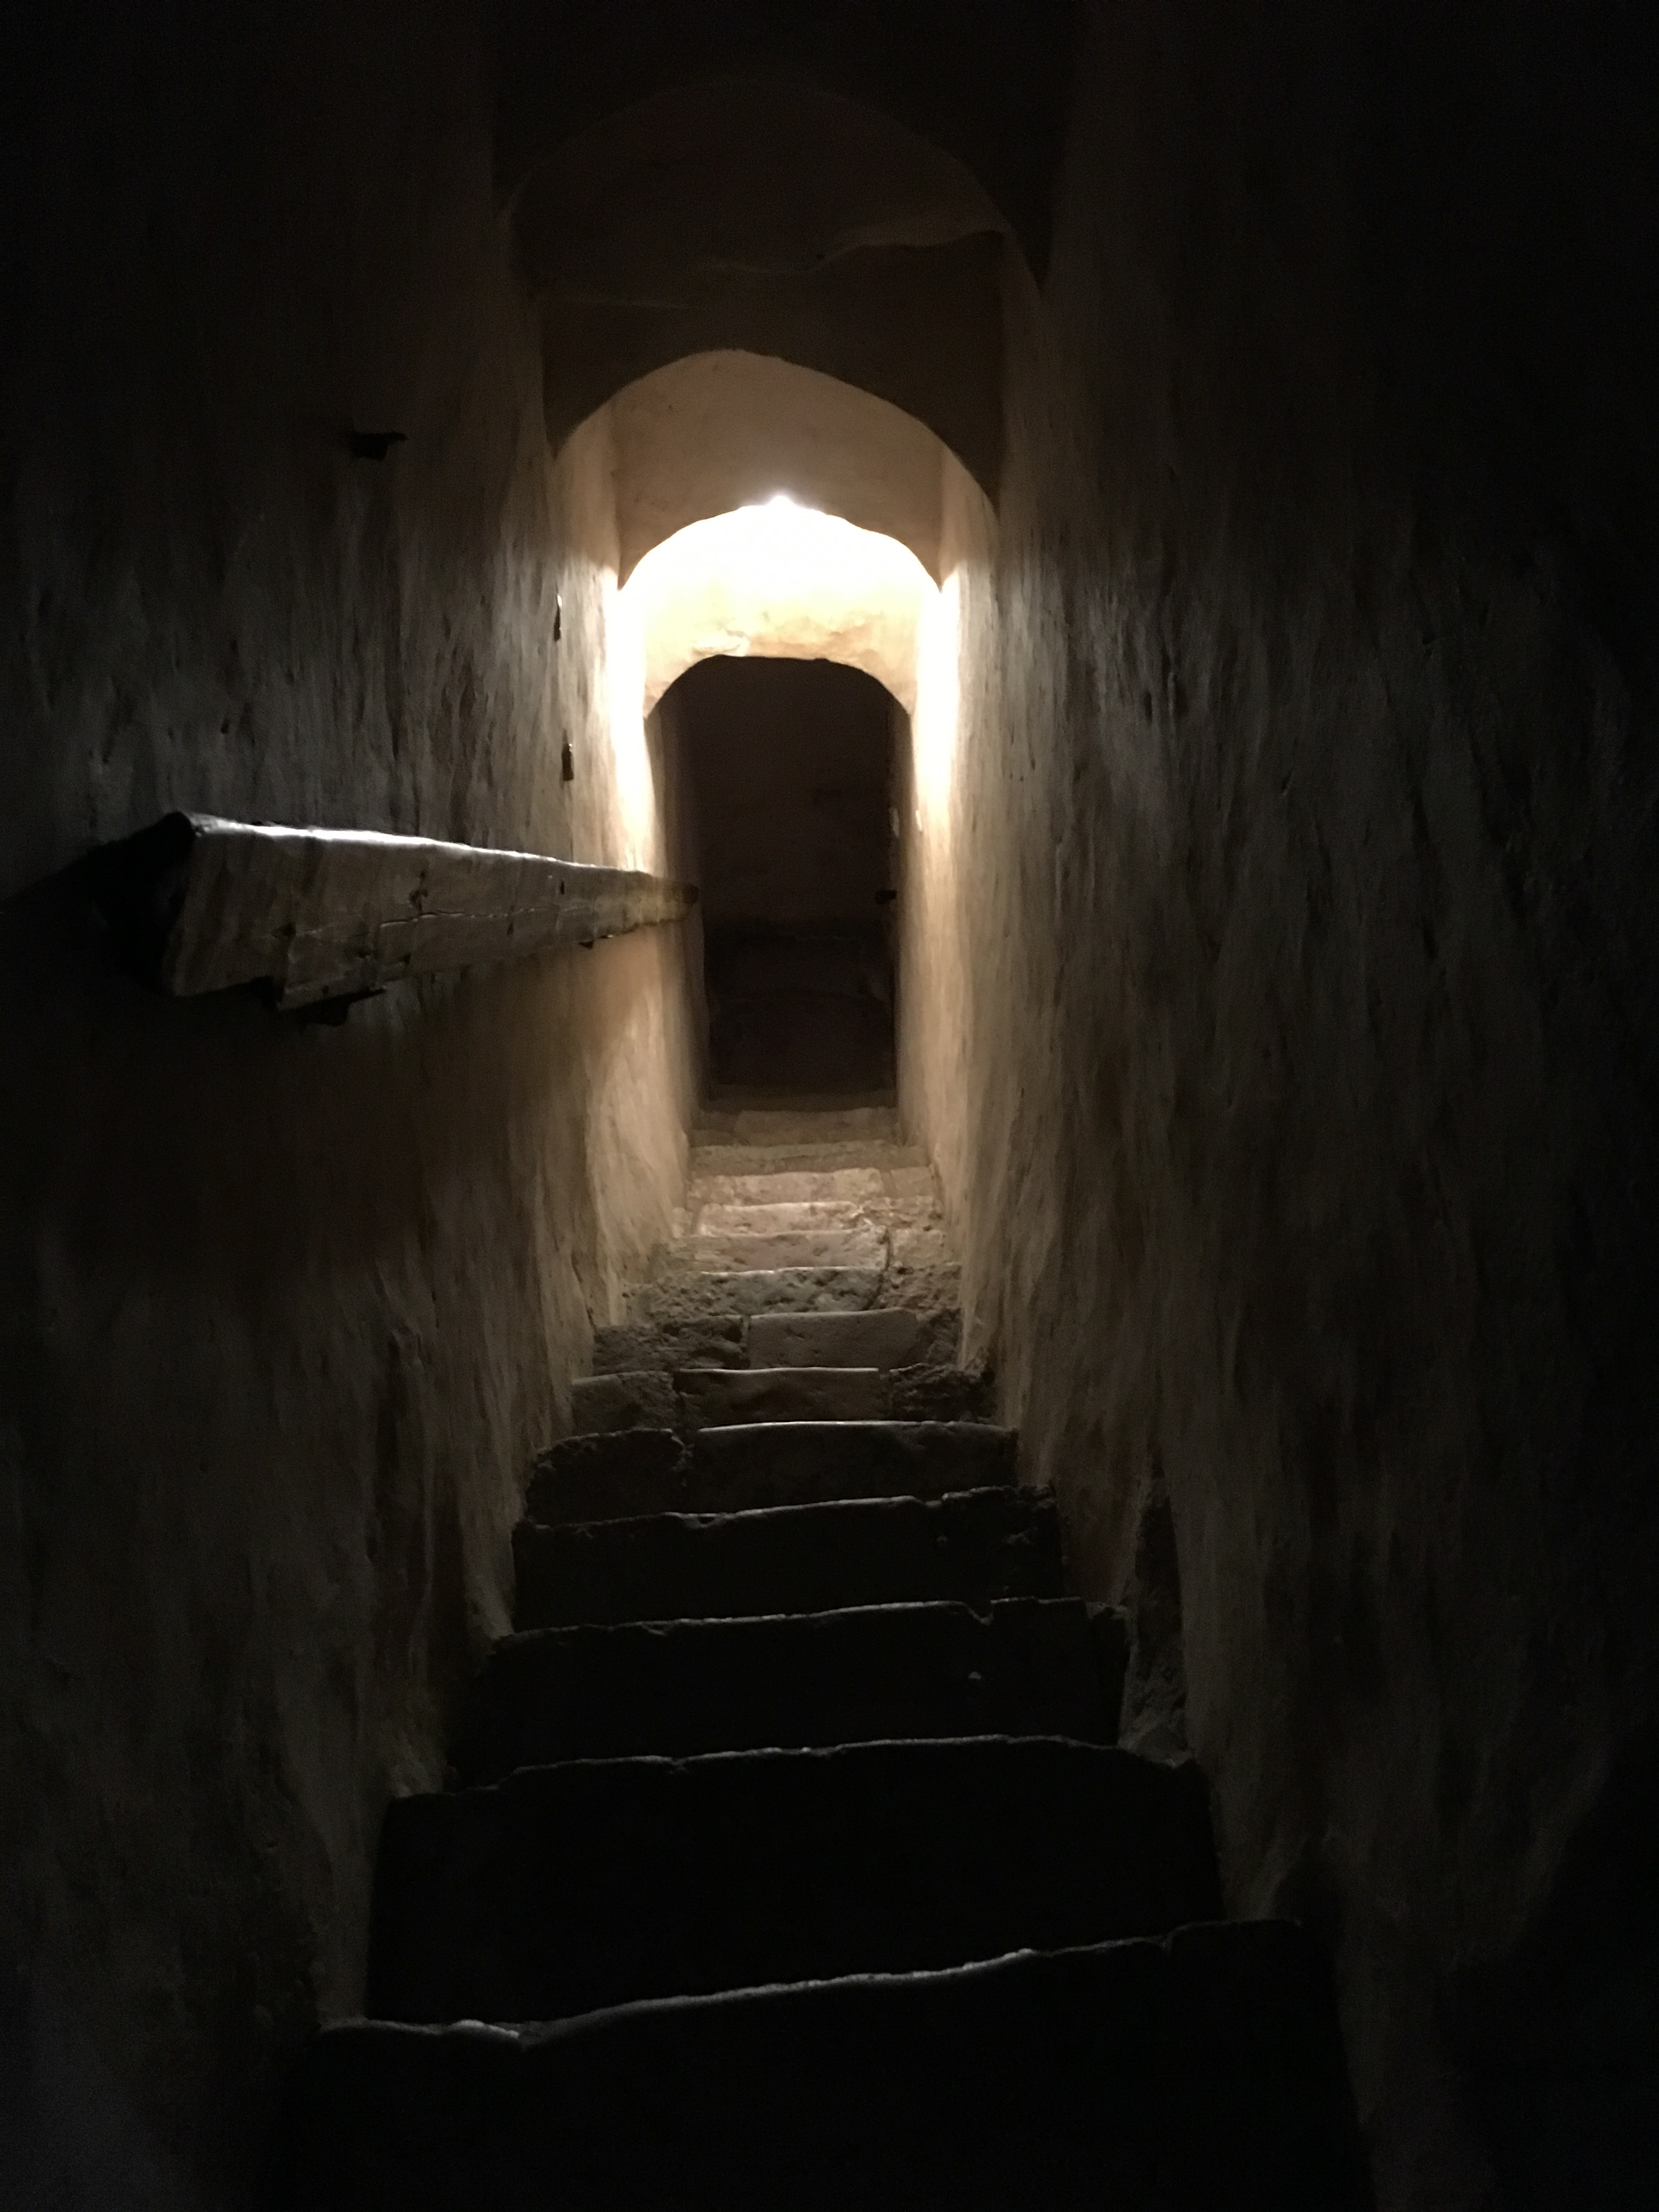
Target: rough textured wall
(1305, 799)
(284, 1309)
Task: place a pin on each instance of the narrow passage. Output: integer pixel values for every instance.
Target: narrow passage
(742, 1862)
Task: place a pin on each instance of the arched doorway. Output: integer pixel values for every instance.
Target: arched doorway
(788, 771)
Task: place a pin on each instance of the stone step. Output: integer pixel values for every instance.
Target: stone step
(809, 1463)
(1202, 2073)
(975, 1547)
(629, 1346)
(713, 1397)
(698, 1398)
(600, 1405)
(679, 1300)
(883, 1336)
(717, 1397)
(714, 1159)
(798, 1216)
(744, 1469)
(922, 1287)
(621, 1476)
(1024, 1667)
(721, 1253)
(864, 1185)
(777, 1217)
(892, 1336)
(603, 1881)
(774, 1126)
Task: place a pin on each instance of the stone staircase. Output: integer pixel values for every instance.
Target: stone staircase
(791, 1860)
(810, 1279)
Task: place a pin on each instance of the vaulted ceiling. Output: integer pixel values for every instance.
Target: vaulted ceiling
(699, 196)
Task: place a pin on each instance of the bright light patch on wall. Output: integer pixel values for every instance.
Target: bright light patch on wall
(638, 814)
(782, 580)
(936, 717)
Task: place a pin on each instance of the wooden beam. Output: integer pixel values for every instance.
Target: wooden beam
(201, 904)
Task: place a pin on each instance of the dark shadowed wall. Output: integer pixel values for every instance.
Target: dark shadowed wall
(286, 1310)
(1294, 1088)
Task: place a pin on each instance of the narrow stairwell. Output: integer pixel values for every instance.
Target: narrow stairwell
(792, 1861)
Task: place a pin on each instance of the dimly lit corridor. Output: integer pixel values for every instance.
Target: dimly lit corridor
(830, 936)
(789, 766)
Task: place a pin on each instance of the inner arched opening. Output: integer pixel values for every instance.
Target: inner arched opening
(789, 767)
(779, 639)
(775, 651)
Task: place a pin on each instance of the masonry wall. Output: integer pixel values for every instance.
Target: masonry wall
(284, 1309)
(1300, 1129)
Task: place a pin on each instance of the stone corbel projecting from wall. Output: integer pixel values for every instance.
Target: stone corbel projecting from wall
(318, 918)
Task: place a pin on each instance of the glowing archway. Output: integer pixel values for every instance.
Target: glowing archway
(778, 580)
(727, 429)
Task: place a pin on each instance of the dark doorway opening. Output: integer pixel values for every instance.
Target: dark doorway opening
(789, 767)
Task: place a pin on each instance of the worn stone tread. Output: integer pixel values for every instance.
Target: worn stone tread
(629, 1347)
(1203, 2073)
(747, 1465)
(719, 1397)
(622, 1474)
(599, 1881)
(681, 1299)
(912, 1186)
(1023, 1667)
(611, 1477)
(887, 1337)
(739, 1251)
(601, 1404)
(776, 1126)
(776, 1217)
(713, 1156)
(705, 1217)
(979, 1546)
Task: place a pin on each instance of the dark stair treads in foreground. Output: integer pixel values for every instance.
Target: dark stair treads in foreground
(739, 1470)
(611, 1478)
(718, 1397)
(1026, 1667)
(565, 1889)
(810, 1463)
(1203, 2074)
(979, 1544)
